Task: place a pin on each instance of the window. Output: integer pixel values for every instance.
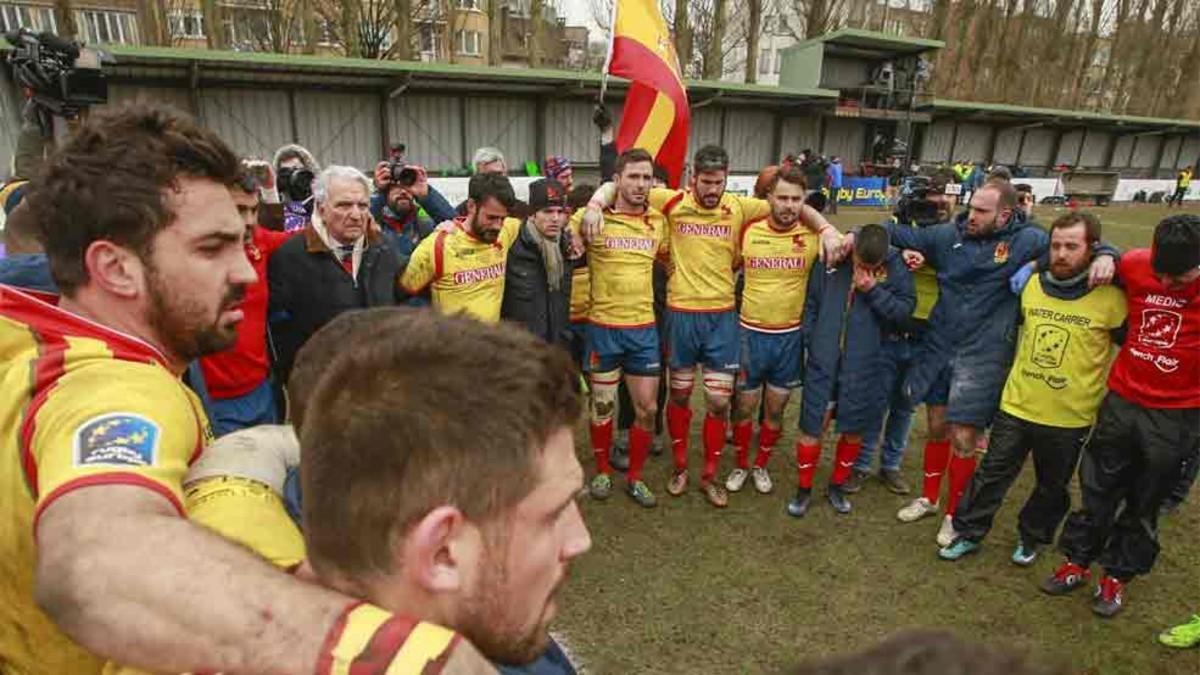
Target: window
(325, 33)
(778, 62)
(466, 42)
(431, 39)
(764, 61)
(37, 19)
(467, 4)
(187, 25)
(768, 25)
(98, 26)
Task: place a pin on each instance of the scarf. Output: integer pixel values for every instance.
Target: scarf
(335, 246)
(552, 256)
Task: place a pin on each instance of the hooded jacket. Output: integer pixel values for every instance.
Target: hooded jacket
(296, 214)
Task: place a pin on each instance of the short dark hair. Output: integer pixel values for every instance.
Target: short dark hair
(1176, 244)
(788, 173)
(710, 158)
(660, 173)
(871, 244)
(1023, 187)
(481, 186)
(313, 356)
(107, 182)
(1073, 218)
(446, 410)
(580, 195)
(632, 156)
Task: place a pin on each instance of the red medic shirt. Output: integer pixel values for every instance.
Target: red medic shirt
(242, 368)
(1159, 364)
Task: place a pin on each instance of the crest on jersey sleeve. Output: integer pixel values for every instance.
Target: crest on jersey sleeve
(116, 439)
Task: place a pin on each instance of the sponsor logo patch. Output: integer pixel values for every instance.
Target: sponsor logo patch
(1000, 256)
(116, 439)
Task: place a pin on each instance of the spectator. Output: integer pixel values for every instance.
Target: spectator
(559, 168)
(295, 169)
(489, 160)
(1183, 181)
(238, 379)
(537, 285)
(834, 174)
(999, 172)
(406, 213)
(339, 263)
(1025, 199)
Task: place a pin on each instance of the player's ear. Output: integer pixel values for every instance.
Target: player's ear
(440, 551)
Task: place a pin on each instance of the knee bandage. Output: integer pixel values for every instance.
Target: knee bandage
(718, 384)
(604, 395)
(682, 381)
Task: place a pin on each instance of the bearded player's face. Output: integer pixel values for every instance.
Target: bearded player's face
(787, 201)
(196, 272)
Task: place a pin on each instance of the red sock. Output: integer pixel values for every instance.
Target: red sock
(679, 424)
(767, 438)
(602, 444)
(847, 452)
(639, 450)
(937, 455)
(742, 432)
(807, 457)
(714, 443)
(961, 470)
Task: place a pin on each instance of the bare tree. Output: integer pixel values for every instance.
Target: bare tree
(754, 10)
(64, 18)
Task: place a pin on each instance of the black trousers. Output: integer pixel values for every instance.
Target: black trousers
(1191, 468)
(1055, 454)
(1136, 456)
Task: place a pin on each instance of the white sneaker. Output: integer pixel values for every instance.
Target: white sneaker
(737, 478)
(916, 510)
(946, 533)
(762, 480)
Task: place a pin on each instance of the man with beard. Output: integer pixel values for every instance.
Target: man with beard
(621, 335)
(972, 326)
(407, 213)
(463, 267)
(702, 329)
(1051, 396)
(97, 558)
(238, 379)
(339, 262)
(1148, 425)
(776, 255)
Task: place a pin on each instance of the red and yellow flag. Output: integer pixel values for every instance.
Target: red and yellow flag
(656, 115)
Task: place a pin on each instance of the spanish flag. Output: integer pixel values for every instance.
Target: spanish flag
(656, 116)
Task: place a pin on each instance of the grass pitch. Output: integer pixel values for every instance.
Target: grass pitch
(685, 588)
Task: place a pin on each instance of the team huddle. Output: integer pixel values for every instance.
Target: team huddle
(764, 295)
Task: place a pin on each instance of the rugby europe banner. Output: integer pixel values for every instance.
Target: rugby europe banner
(656, 116)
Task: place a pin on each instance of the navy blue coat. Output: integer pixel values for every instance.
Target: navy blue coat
(975, 318)
(845, 348)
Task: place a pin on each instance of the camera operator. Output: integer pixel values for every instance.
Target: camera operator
(924, 201)
(295, 169)
(404, 204)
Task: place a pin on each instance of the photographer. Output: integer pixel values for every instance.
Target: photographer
(404, 204)
(295, 169)
(924, 201)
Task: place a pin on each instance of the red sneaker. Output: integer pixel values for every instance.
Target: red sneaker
(1110, 596)
(1066, 578)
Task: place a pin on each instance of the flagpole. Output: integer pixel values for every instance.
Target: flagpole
(612, 32)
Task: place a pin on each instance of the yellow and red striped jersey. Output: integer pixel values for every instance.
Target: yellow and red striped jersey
(465, 274)
(621, 262)
(80, 405)
(775, 265)
(704, 247)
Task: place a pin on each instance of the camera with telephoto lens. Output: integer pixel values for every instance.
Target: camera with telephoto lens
(296, 183)
(62, 76)
(915, 207)
(401, 174)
